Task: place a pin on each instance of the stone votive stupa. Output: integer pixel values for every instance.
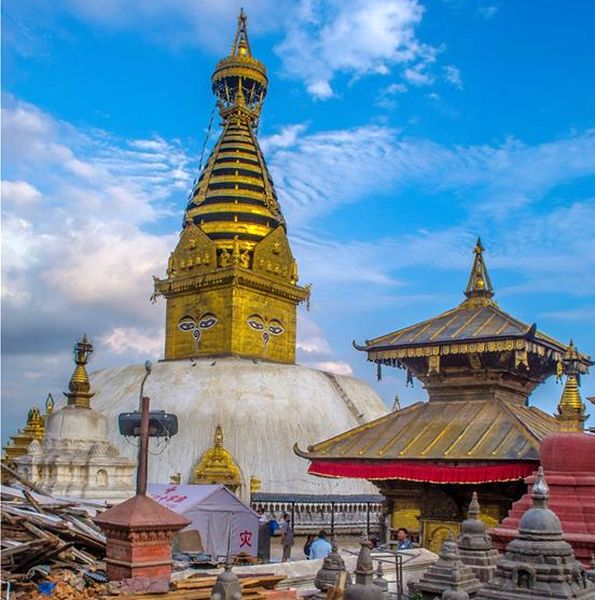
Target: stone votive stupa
(364, 587)
(328, 575)
(475, 545)
(75, 458)
(447, 573)
(538, 563)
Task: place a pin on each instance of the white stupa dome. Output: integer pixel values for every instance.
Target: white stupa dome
(264, 409)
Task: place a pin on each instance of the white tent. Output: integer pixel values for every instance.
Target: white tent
(225, 523)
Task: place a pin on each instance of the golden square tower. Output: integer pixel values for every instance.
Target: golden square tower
(231, 286)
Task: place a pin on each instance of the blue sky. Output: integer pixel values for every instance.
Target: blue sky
(396, 131)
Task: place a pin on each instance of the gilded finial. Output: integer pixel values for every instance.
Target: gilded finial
(218, 439)
(571, 408)
(79, 393)
(240, 81)
(241, 45)
(49, 404)
(479, 286)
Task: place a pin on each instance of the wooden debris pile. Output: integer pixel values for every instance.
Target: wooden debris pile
(199, 588)
(45, 539)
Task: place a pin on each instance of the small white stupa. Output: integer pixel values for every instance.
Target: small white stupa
(75, 458)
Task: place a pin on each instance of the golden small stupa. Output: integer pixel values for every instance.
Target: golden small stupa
(218, 466)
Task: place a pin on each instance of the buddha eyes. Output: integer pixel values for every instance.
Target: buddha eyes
(207, 321)
(276, 328)
(273, 326)
(255, 323)
(186, 324)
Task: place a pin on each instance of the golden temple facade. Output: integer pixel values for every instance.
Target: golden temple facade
(477, 432)
(231, 286)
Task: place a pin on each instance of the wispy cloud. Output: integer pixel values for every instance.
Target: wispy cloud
(355, 38)
(452, 74)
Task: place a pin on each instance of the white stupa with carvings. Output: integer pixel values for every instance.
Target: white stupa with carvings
(75, 458)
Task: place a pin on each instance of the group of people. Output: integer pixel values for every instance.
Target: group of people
(316, 547)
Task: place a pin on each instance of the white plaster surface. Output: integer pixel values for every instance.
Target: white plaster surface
(264, 408)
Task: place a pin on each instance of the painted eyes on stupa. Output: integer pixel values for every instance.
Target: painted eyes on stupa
(256, 323)
(186, 324)
(268, 328)
(275, 327)
(207, 321)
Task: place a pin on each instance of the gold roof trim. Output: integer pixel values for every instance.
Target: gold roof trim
(217, 465)
(445, 430)
(477, 325)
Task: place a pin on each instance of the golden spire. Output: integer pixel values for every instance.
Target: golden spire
(217, 465)
(232, 281)
(479, 287)
(240, 81)
(571, 408)
(79, 393)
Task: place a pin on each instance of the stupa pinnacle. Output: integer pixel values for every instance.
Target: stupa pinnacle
(231, 285)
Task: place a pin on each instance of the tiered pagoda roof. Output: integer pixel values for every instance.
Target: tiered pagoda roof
(479, 366)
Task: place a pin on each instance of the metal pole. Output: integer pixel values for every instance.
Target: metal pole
(332, 520)
(143, 449)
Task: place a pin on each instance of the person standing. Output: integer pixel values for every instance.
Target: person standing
(286, 537)
(321, 547)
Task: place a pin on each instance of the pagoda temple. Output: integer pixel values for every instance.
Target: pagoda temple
(477, 432)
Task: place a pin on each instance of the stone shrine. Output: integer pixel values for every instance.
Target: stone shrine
(475, 545)
(364, 587)
(538, 563)
(75, 458)
(447, 573)
(328, 575)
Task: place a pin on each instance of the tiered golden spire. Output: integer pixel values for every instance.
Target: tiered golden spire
(231, 285)
(34, 430)
(479, 287)
(217, 465)
(79, 393)
(571, 408)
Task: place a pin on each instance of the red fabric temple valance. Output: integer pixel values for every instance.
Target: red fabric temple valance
(417, 471)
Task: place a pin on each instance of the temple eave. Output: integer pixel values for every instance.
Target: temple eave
(476, 472)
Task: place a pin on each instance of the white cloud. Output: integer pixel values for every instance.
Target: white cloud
(317, 172)
(85, 262)
(357, 38)
(452, 74)
(395, 88)
(487, 12)
(123, 340)
(20, 193)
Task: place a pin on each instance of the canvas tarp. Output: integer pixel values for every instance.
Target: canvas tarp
(224, 522)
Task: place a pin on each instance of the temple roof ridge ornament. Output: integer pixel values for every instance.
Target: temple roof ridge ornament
(479, 287)
(571, 408)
